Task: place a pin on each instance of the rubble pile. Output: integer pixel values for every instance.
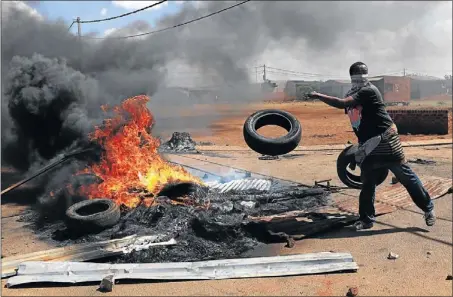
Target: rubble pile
(222, 230)
(163, 199)
(180, 142)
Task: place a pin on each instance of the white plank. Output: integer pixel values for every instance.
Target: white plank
(75, 272)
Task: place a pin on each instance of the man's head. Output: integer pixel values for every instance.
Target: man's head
(359, 74)
(358, 68)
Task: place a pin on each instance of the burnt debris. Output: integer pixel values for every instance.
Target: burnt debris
(422, 161)
(180, 142)
(218, 226)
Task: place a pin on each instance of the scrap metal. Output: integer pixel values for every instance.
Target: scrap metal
(76, 272)
(84, 252)
(241, 185)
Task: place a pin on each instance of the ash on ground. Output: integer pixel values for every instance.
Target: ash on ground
(180, 142)
(221, 231)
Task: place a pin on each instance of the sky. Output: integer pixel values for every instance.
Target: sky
(406, 41)
(92, 10)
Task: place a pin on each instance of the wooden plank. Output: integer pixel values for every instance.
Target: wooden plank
(76, 272)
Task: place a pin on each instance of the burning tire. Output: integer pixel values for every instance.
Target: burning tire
(272, 146)
(346, 160)
(92, 215)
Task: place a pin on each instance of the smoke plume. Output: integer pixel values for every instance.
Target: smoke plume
(53, 84)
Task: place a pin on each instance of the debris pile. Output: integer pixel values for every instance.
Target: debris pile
(158, 198)
(180, 142)
(222, 230)
(422, 161)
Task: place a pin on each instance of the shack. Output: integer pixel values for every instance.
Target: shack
(427, 86)
(396, 90)
(297, 89)
(337, 88)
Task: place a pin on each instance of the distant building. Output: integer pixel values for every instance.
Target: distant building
(297, 89)
(394, 89)
(428, 86)
(337, 88)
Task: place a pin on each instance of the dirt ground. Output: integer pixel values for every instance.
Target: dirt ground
(403, 232)
(321, 124)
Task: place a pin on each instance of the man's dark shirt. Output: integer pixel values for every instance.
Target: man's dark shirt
(369, 118)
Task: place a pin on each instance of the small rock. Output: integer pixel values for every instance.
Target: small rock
(449, 277)
(107, 284)
(352, 292)
(226, 206)
(248, 204)
(429, 253)
(392, 256)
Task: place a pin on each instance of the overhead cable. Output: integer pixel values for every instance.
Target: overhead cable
(172, 27)
(123, 15)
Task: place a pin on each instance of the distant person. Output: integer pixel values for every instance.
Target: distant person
(379, 145)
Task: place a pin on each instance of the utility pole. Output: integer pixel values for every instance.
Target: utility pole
(256, 74)
(404, 71)
(79, 29)
(79, 36)
(264, 75)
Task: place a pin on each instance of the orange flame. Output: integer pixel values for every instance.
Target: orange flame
(131, 162)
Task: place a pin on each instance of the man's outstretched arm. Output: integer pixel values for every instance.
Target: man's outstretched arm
(334, 101)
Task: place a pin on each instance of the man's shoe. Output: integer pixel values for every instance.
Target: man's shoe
(430, 218)
(359, 225)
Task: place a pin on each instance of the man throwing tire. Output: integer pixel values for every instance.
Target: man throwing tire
(379, 145)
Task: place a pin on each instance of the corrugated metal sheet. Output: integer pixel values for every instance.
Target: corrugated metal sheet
(75, 272)
(263, 185)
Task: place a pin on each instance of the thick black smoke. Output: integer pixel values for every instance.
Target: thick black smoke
(324, 36)
(49, 105)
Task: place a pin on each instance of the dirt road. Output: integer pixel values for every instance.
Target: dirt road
(403, 232)
(321, 124)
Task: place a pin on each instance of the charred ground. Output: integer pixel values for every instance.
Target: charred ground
(223, 230)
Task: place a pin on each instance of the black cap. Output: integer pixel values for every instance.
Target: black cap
(358, 68)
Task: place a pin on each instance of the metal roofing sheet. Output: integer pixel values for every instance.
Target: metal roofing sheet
(263, 185)
(74, 272)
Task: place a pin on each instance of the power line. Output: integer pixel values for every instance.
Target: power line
(123, 15)
(301, 74)
(71, 26)
(298, 72)
(172, 27)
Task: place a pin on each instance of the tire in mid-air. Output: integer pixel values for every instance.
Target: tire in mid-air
(347, 159)
(92, 215)
(272, 146)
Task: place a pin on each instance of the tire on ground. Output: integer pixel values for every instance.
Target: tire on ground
(351, 180)
(272, 146)
(92, 215)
